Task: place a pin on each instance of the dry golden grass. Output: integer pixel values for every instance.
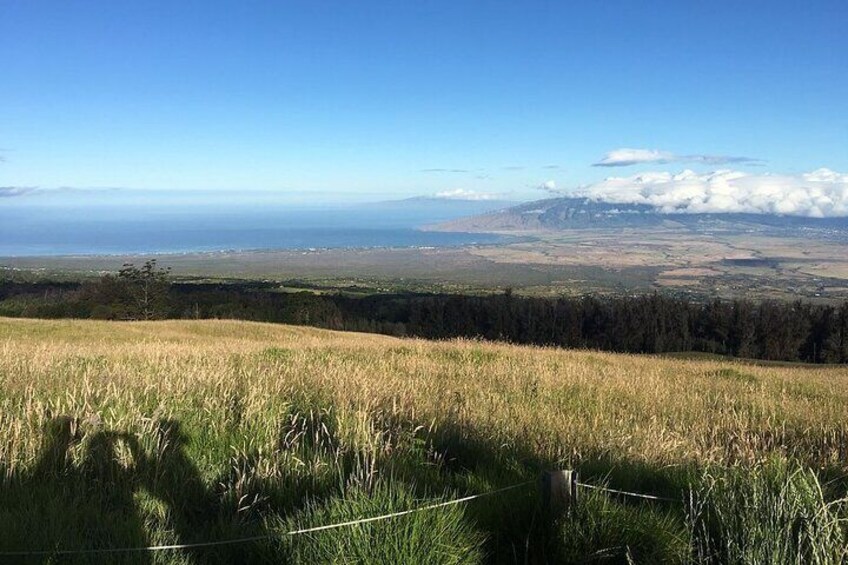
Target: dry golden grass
(551, 404)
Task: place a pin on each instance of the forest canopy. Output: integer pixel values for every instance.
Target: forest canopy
(771, 330)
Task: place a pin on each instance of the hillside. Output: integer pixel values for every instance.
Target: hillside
(555, 214)
(210, 430)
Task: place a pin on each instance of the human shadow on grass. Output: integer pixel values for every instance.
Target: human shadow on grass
(81, 512)
(58, 506)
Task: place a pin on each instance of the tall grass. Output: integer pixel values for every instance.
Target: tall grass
(445, 536)
(768, 513)
(171, 432)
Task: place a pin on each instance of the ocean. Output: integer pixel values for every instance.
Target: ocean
(117, 224)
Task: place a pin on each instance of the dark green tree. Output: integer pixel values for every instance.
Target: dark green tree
(146, 289)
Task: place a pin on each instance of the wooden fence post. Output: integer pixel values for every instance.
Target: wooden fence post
(558, 490)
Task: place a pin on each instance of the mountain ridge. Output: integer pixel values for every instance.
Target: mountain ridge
(564, 213)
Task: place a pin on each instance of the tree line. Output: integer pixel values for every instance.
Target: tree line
(768, 329)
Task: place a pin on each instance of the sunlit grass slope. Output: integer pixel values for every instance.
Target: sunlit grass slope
(173, 432)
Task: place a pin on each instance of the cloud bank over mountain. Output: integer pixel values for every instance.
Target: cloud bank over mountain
(548, 186)
(818, 194)
(463, 194)
(626, 157)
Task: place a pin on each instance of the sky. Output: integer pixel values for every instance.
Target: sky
(372, 100)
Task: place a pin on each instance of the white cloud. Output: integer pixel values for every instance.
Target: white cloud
(625, 157)
(548, 186)
(821, 193)
(463, 194)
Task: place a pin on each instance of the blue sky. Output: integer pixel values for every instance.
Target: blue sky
(365, 100)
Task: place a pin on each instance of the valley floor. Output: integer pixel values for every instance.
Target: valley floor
(673, 259)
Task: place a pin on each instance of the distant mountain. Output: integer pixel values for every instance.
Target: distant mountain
(581, 213)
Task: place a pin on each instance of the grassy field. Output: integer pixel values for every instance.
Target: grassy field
(138, 433)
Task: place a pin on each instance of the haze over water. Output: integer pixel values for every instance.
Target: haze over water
(118, 223)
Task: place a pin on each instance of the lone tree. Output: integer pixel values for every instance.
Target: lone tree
(145, 288)
(133, 294)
